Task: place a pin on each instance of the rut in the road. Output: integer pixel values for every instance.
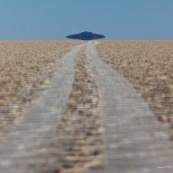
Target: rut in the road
(29, 145)
(80, 133)
(135, 141)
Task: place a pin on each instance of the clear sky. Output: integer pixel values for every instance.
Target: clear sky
(116, 19)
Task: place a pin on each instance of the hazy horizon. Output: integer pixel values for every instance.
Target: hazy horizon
(55, 19)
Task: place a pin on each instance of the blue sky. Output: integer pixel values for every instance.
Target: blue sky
(116, 19)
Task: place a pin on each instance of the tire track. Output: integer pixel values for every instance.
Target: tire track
(135, 140)
(63, 131)
(25, 146)
(80, 135)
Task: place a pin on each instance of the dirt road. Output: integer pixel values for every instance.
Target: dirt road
(55, 134)
(39, 123)
(136, 141)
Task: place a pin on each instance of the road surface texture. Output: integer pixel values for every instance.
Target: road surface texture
(136, 142)
(90, 120)
(26, 68)
(21, 149)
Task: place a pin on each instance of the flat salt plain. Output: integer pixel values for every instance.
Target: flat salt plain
(103, 126)
(26, 68)
(148, 65)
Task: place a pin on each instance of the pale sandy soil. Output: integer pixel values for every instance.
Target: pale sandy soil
(25, 69)
(81, 133)
(148, 65)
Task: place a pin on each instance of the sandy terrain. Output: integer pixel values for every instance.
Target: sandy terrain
(148, 65)
(135, 140)
(26, 68)
(89, 118)
(65, 138)
(81, 131)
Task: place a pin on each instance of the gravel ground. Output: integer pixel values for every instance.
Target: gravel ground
(100, 123)
(148, 65)
(26, 69)
(81, 133)
(135, 140)
(29, 145)
(62, 131)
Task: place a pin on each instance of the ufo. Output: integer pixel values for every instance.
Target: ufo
(86, 36)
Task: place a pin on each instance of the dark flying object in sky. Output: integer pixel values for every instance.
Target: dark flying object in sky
(86, 36)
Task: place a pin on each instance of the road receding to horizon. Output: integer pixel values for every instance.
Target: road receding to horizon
(23, 147)
(135, 140)
(90, 120)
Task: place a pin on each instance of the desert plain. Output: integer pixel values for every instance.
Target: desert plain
(25, 69)
(85, 107)
(148, 65)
